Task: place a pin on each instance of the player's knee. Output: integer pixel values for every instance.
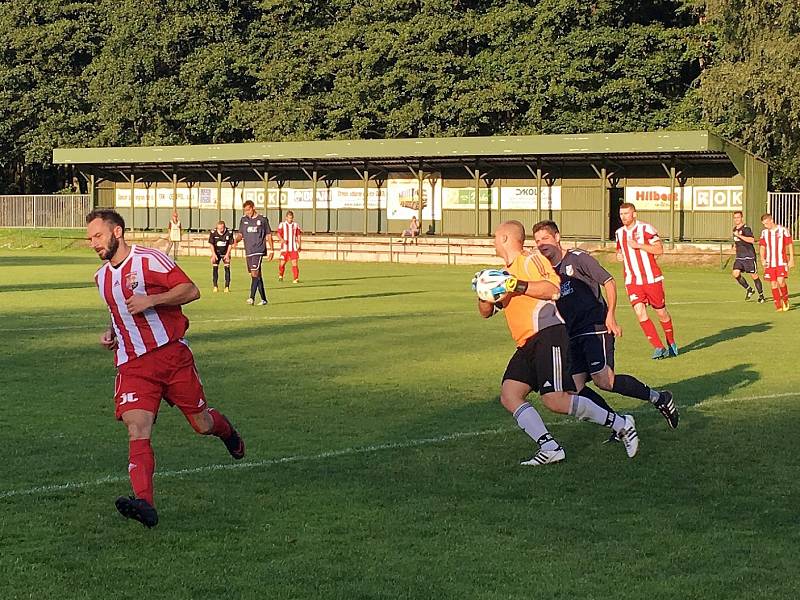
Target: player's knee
(139, 431)
(603, 380)
(735, 273)
(558, 402)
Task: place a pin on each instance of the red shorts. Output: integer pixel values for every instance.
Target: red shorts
(648, 293)
(167, 372)
(290, 255)
(772, 273)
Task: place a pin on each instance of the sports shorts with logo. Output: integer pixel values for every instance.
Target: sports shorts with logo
(648, 293)
(167, 372)
(290, 255)
(772, 273)
(591, 353)
(543, 362)
(745, 265)
(254, 261)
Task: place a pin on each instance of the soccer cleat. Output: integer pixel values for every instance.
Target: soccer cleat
(761, 300)
(673, 349)
(227, 290)
(629, 437)
(660, 353)
(785, 306)
(295, 281)
(262, 302)
(215, 290)
(235, 443)
(749, 294)
(613, 438)
(280, 277)
(137, 509)
(250, 301)
(667, 408)
(545, 457)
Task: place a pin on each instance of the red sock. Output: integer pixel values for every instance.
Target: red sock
(650, 333)
(281, 269)
(668, 332)
(141, 464)
(295, 272)
(785, 293)
(776, 295)
(221, 428)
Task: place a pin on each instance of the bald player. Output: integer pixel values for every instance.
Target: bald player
(540, 362)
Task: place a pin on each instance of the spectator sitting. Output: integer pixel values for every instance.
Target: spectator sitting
(412, 231)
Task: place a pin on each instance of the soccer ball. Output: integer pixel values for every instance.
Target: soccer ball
(489, 284)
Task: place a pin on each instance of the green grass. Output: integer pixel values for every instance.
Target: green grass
(392, 356)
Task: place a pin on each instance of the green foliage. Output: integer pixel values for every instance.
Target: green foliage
(131, 72)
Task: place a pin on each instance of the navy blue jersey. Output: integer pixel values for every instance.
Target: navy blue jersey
(744, 249)
(581, 303)
(221, 241)
(254, 232)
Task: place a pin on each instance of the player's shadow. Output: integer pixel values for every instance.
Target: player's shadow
(362, 278)
(34, 287)
(731, 333)
(359, 296)
(695, 390)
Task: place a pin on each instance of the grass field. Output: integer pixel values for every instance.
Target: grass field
(380, 463)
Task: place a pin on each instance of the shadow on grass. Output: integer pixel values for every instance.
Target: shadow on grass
(360, 296)
(694, 390)
(34, 287)
(363, 278)
(726, 334)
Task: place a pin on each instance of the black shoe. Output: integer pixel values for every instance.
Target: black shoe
(137, 509)
(235, 443)
(612, 438)
(749, 294)
(667, 408)
(761, 299)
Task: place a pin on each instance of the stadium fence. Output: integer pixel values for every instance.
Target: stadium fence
(785, 209)
(43, 211)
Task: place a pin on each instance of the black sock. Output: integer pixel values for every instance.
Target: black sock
(227, 276)
(758, 286)
(589, 393)
(215, 274)
(253, 287)
(740, 280)
(631, 387)
(261, 289)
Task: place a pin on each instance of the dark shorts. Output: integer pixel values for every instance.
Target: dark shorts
(220, 258)
(253, 261)
(591, 353)
(543, 362)
(745, 265)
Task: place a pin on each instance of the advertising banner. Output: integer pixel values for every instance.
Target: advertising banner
(710, 197)
(402, 200)
(524, 198)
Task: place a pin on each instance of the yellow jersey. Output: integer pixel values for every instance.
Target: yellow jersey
(525, 315)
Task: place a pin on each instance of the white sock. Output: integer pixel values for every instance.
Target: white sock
(531, 423)
(586, 410)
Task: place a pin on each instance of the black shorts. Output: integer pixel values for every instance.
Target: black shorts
(591, 353)
(543, 362)
(745, 265)
(221, 259)
(253, 261)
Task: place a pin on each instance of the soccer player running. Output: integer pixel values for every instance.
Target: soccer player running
(638, 245)
(289, 233)
(745, 261)
(541, 362)
(592, 324)
(221, 240)
(777, 256)
(144, 290)
(254, 229)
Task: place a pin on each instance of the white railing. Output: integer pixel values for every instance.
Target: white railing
(785, 209)
(62, 211)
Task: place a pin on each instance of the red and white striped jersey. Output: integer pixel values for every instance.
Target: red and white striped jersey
(290, 236)
(776, 241)
(640, 266)
(144, 271)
